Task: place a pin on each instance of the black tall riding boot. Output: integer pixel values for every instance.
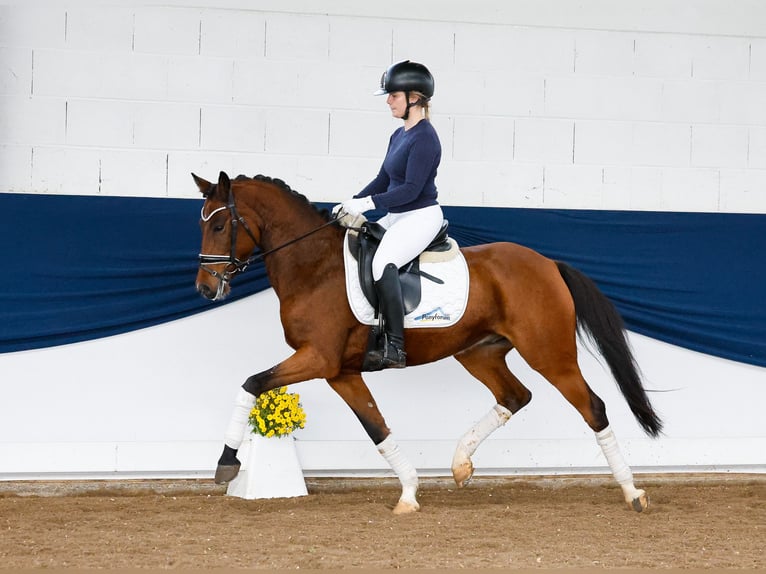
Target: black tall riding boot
(389, 292)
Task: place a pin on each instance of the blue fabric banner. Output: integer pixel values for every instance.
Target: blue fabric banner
(82, 267)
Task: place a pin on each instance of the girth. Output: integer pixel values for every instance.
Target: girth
(363, 246)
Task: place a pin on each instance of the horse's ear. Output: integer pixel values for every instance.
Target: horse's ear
(224, 183)
(203, 185)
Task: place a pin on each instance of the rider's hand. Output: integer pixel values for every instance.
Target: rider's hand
(354, 206)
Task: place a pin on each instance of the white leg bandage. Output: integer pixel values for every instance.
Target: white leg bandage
(235, 432)
(407, 474)
(489, 423)
(608, 443)
(620, 469)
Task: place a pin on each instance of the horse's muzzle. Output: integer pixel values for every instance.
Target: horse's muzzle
(206, 291)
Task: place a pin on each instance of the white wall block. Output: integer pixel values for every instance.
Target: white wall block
(200, 79)
(691, 101)
(431, 44)
(690, 189)
(645, 188)
(483, 48)
(616, 187)
(330, 179)
(265, 83)
(134, 173)
(742, 103)
(515, 185)
(15, 71)
(238, 34)
(661, 144)
(164, 126)
(543, 141)
(663, 56)
(721, 58)
(233, 128)
(489, 139)
(99, 27)
(32, 120)
(603, 142)
(360, 134)
(758, 59)
(719, 146)
(167, 30)
(66, 170)
(361, 42)
(16, 168)
(99, 123)
(456, 91)
(297, 37)
(331, 86)
(206, 164)
(297, 132)
(573, 187)
(507, 94)
(603, 98)
(27, 24)
(757, 147)
(604, 53)
(743, 191)
(637, 188)
(100, 74)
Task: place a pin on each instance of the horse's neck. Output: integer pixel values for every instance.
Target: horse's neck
(297, 264)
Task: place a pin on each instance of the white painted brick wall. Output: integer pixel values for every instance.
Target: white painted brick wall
(590, 113)
(16, 71)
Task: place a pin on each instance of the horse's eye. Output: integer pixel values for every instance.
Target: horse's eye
(218, 228)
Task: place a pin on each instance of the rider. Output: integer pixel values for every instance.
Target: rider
(405, 189)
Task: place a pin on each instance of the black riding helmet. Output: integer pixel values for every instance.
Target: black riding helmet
(407, 76)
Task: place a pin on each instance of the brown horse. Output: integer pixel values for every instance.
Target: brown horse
(518, 299)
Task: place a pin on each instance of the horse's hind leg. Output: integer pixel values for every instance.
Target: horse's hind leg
(570, 383)
(353, 390)
(486, 362)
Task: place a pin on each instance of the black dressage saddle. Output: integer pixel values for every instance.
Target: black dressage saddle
(363, 247)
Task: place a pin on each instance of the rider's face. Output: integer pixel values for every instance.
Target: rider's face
(397, 101)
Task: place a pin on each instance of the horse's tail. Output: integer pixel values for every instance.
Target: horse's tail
(601, 322)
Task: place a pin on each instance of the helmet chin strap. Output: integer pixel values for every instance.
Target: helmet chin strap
(409, 105)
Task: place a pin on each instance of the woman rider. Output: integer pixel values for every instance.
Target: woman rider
(405, 189)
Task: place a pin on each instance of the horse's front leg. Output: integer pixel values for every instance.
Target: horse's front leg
(306, 363)
(353, 390)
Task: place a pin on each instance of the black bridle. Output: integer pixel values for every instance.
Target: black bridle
(235, 265)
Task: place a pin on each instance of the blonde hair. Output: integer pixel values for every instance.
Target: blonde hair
(424, 102)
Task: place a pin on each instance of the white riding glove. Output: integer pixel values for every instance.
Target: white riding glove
(354, 206)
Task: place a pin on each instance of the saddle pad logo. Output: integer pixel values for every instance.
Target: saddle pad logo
(440, 305)
(435, 315)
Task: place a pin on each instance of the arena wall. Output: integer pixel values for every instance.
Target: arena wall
(654, 106)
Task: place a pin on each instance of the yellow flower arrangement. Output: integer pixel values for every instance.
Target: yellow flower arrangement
(277, 413)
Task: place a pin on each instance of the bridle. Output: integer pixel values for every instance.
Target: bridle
(234, 264)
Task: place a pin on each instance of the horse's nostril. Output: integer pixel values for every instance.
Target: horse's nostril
(205, 291)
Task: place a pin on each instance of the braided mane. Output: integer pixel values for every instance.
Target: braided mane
(284, 187)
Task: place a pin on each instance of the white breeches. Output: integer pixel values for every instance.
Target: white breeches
(407, 235)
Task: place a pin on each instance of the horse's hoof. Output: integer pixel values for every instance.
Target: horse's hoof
(463, 473)
(404, 507)
(226, 473)
(640, 503)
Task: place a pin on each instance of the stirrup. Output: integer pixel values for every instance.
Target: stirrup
(393, 357)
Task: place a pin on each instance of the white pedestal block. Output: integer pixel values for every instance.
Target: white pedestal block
(270, 470)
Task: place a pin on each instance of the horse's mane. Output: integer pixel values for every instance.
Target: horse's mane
(286, 188)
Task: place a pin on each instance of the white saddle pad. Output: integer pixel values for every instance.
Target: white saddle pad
(440, 305)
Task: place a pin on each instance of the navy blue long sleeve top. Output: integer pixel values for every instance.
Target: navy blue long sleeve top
(406, 180)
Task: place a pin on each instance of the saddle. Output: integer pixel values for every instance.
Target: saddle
(363, 246)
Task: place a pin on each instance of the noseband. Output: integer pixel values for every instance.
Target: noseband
(234, 264)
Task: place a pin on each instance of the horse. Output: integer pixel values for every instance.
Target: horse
(518, 298)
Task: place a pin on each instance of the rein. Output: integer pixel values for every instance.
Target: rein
(238, 265)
